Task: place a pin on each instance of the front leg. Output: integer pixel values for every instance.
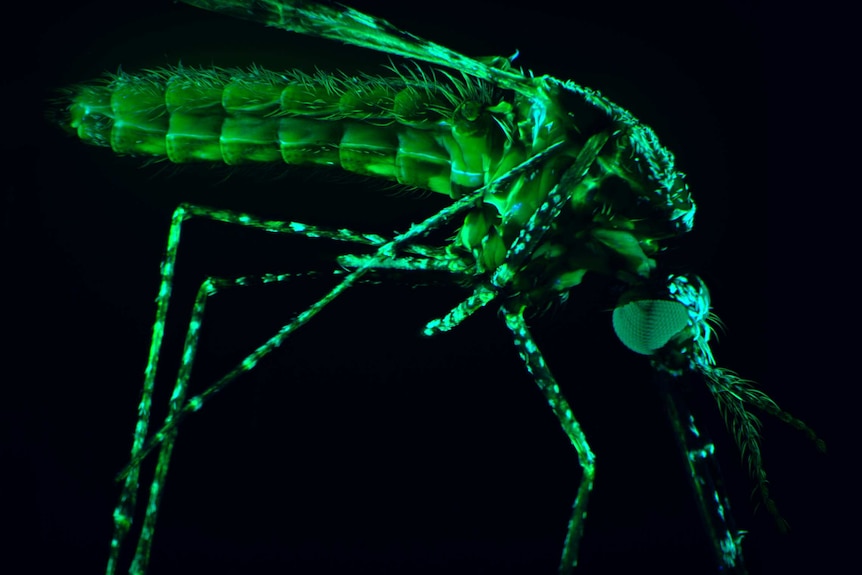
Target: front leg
(536, 366)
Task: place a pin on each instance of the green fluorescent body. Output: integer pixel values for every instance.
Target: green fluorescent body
(550, 182)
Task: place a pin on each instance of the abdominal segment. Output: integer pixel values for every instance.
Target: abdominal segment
(409, 129)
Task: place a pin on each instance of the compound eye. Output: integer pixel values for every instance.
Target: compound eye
(646, 325)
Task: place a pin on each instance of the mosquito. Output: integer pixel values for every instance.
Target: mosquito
(550, 185)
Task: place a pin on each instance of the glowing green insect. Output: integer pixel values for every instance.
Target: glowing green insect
(549, 182)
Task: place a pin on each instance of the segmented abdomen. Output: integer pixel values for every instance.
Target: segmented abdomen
(411, 129)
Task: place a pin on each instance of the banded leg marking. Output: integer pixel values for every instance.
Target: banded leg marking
(124, 511)
(536, 366)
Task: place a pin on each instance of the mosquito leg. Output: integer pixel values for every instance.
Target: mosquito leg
(208, 288)
(124, 510)
(712, 499)
(178, 406)
(537, 367)
(441, 263)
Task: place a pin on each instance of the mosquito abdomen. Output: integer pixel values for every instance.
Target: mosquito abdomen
(403, 128)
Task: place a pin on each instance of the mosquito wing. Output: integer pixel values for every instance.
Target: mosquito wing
(336, 22)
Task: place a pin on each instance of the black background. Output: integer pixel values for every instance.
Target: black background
(361, 445)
